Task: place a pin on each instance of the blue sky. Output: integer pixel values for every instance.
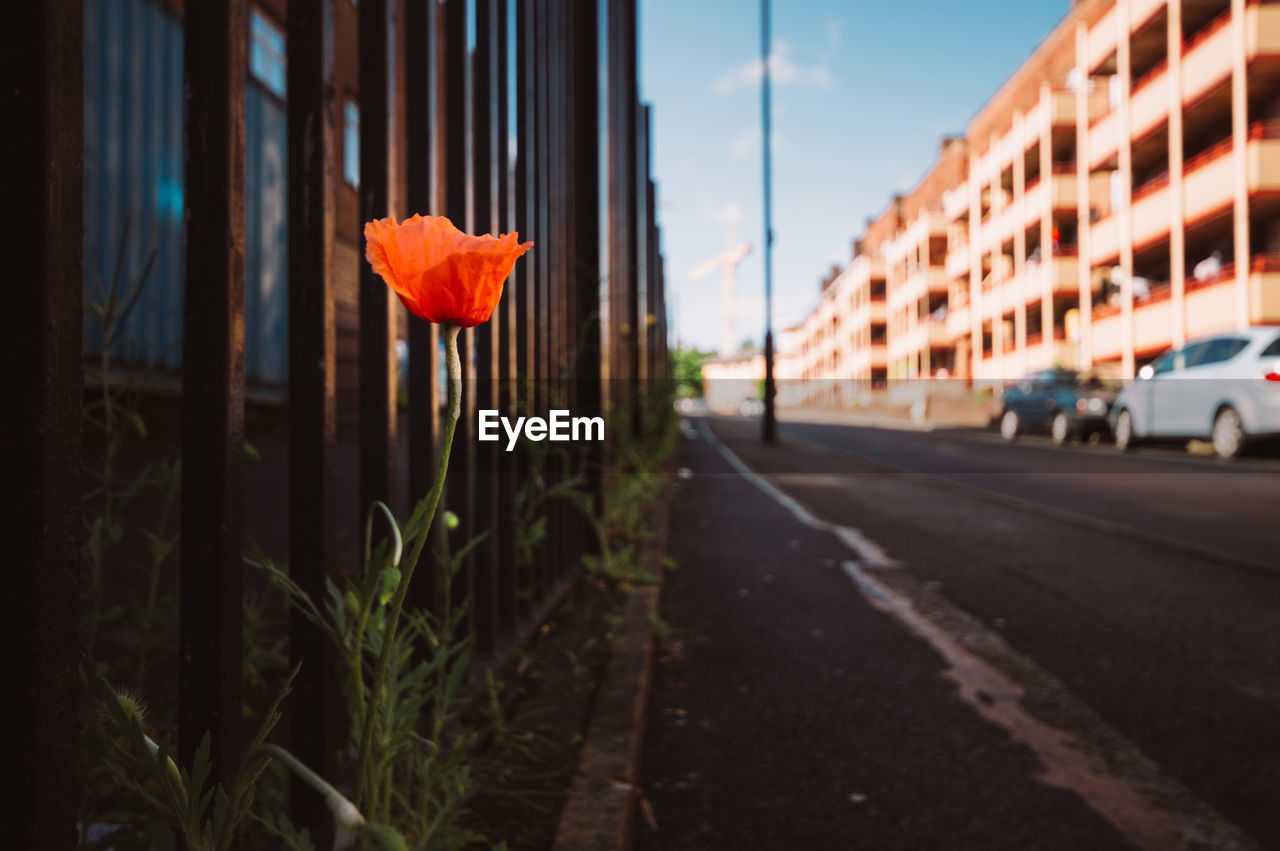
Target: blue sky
(862, 94)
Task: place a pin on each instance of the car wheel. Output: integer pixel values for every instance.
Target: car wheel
(1125, 438)
(1060, 429)
(1228, 433)
(1009, 425)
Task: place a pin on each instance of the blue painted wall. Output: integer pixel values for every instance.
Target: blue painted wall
(134, 174)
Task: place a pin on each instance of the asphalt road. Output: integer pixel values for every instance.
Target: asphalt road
(1229, 509)
(940, 640)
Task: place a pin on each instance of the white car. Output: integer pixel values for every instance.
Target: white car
(1224, 388)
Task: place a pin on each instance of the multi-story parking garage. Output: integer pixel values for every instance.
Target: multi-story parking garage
(1120, 193)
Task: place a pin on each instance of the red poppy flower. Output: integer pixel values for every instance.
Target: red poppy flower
(440, 273)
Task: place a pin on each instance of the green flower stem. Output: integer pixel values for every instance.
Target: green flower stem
(365, 784)
(344, 811)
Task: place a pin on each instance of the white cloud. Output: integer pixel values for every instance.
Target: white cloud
(782, 72)
(747, 143)
(728, 213)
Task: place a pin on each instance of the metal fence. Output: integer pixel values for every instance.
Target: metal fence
(582, 321)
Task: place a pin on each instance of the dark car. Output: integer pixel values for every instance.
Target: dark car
(1062, 402)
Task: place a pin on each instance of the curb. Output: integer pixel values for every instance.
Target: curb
(600, 806)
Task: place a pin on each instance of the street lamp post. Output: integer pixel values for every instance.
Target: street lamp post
(770, 423)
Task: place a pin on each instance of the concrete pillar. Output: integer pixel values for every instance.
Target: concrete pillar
(1084, 352)
(975, 267)
(1022, 287)
(1177, 222)
(1239, 157)
(1126, 194)
(1045, 272)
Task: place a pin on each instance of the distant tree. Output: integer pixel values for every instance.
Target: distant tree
(689, 372)
(747, 344)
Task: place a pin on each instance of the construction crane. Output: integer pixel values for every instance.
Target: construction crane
(727, 261)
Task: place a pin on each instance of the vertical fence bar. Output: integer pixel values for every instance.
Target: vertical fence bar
(507, 582)
(43, 44)
(453, 118)
(570, 553)
(377, 389)
(210, 640)
(566, 255)
(650, 318)
(424, 394)
(554, 247)
(484, 387)
(542, 315)
(585, 282)
(312, 386)
(624, 376)
(640, 239)
(633, 317)
(526, 267)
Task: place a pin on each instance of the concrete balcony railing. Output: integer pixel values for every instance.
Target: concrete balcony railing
(1062, 184)
(1149, 101)
(1102, 37)
(1151, 210)
(1262, 33)
(1140, 11)
(1263, 157)
(1212, 304)
(958, 323)
(1153, 325)
(1104, 239)
(1264, 279)
(1104, 138)
(1107, 335)
(1206, 58)
(955, 202)
(919, 281)
(958, 260)
(1062, 107)
(936, 332)
(1042, 354)
(867, 313)
(1064, 269)
(1207, 181)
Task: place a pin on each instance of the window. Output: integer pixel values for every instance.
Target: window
(1167, 362)
(351, 145)
(1222, 349)
(1191, 356)
(266, 53)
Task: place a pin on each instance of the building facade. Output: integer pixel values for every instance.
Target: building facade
(1119, 194)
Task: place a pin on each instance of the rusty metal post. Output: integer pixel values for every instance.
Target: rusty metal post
(542, 227)
(377, 377)
(43, 44)
(484, 386)
(638, 309)
(453, 117)
(585, 283)
(313, 721)
(210, 612)
(422, 141)
(506, 481)
(526, 271)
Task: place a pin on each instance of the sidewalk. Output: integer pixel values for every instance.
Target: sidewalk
(787, 713)
(939, 413)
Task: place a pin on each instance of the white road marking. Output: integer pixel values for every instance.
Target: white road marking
(867, 550)
(1096, 762)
